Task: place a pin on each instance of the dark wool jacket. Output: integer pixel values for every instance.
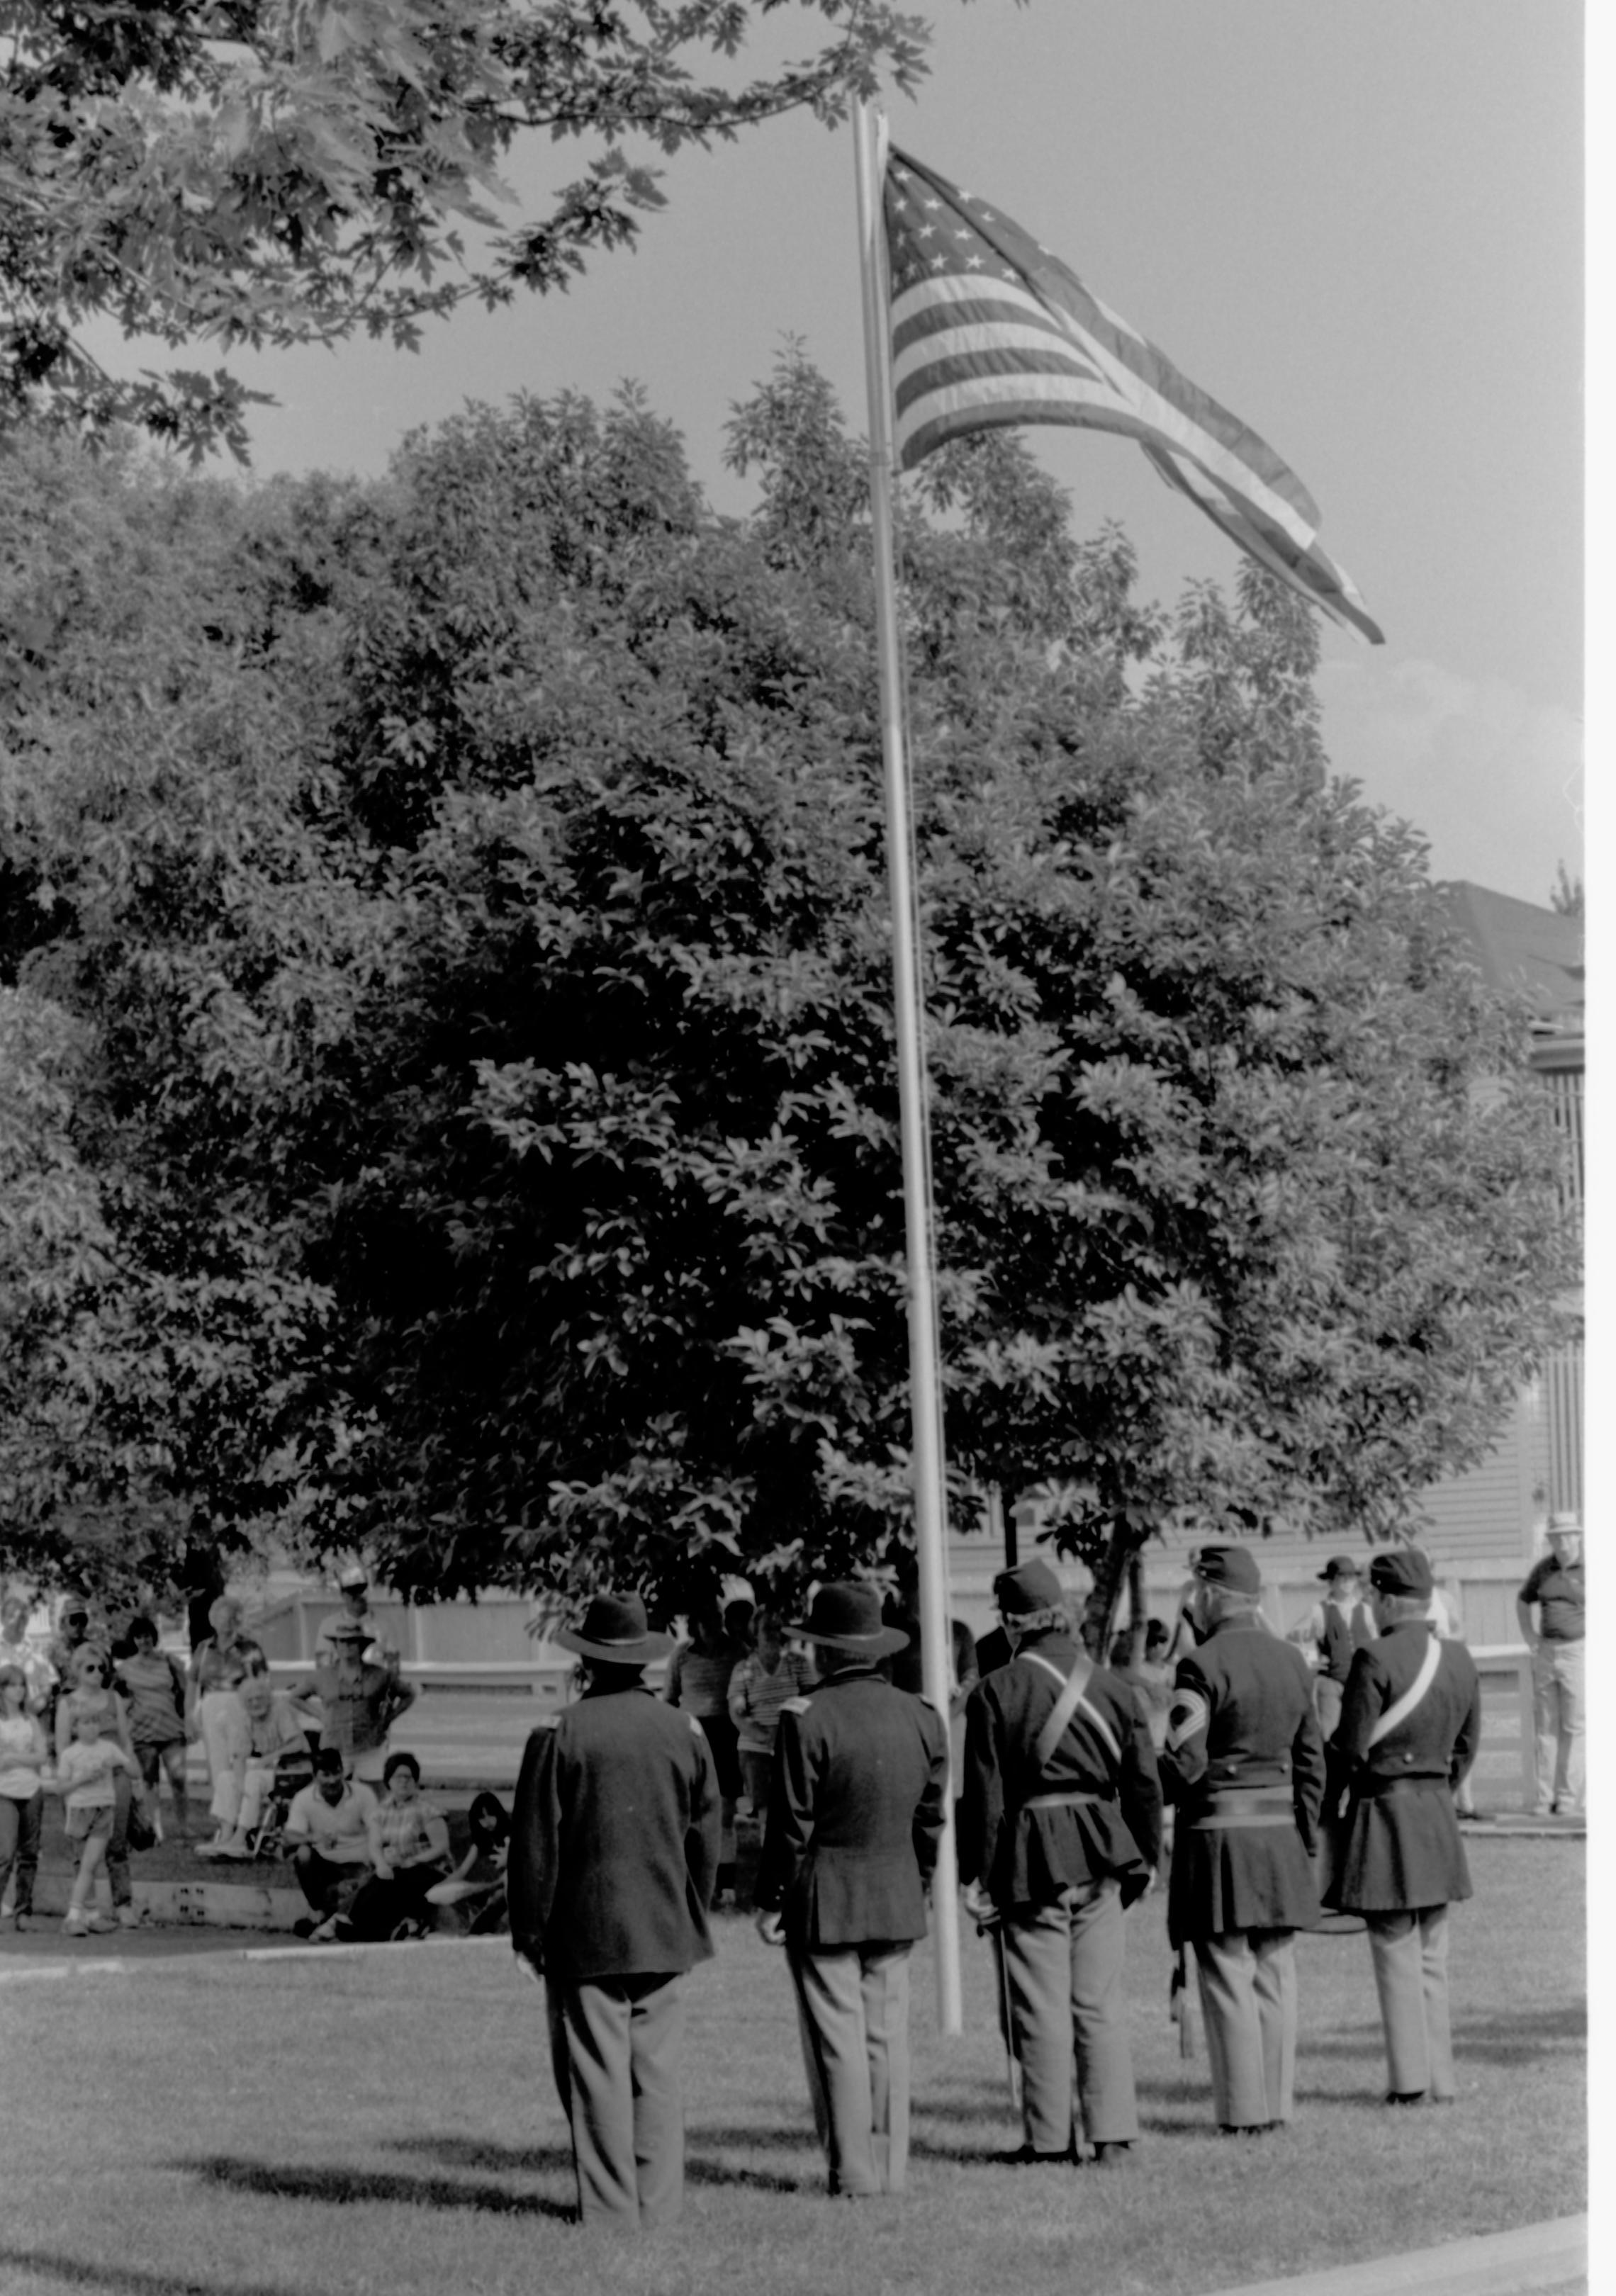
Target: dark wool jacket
(855, 1814)
(1401, 1848)
(1243, 1720)
(614, 1841)
(1028, 1856)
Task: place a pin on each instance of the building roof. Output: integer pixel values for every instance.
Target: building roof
(1525, 951)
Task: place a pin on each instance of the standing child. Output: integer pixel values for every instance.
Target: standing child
(92, 1692)
(23, 1754)
(86, 1769)
(154, 1685)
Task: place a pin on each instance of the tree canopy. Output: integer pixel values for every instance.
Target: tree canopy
(452, 945)
(277, 172)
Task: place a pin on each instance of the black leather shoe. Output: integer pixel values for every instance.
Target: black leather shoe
(1405, 2097)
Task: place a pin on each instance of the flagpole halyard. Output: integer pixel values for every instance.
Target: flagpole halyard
(924, 1371)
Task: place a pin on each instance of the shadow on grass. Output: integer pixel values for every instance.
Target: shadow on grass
(480, 2152)
(124, 2279)
(527, 2159)
(1501, 2037)
(339, 2186)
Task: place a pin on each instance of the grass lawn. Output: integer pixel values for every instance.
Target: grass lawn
(384, 2125)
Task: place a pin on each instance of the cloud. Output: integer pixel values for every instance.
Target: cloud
(1491, 778)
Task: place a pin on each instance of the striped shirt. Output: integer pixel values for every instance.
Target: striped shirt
(755, 1697)
(698, 1683)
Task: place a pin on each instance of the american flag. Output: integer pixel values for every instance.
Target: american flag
(989, 328)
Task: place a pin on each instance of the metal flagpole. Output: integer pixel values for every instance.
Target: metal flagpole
(869, 144)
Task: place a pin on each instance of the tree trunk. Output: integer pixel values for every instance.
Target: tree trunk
(1135, 1607)
(1100, 1614)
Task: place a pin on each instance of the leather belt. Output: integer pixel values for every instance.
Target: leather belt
(1374, 1788)
(1063, 1800)
(1244, 1805)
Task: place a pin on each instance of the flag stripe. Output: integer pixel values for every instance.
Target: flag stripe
(990, 329)
(940, 304)
(989, 352)
(955, 413)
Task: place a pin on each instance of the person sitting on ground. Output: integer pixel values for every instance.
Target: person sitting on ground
(152, 1685)
(275, 1726)
(85, 1768)
(92, 1692)
(409, 1847)
(24, 1753)
(477, 1886)
(361, 1696)
(328, 1833)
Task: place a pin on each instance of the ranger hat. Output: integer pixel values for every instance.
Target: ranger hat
(1229, 1566)
(846, 1615)
(1029, 1586)
(1341, 1566)
(348, 1630)
(1401, 1571)
(614, 1633)
(354, 1579)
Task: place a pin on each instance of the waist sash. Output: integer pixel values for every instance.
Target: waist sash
(1226, 1807)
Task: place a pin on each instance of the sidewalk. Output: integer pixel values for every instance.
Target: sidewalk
(1543, 2260)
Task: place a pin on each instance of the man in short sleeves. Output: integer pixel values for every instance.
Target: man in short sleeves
(1554, 1588)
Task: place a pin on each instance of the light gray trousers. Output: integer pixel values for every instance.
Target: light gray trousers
(853, 2014)
(615, 2046)
(1247, 2000)
(1063, 1974)
(1410, 1955)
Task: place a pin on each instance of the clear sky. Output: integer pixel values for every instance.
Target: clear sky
(1360, 226)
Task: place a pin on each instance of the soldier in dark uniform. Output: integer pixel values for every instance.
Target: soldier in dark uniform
(614, 1847)
(1061, 1829)
(856, 1811)
(1410, 1726)
(1244, 1764)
